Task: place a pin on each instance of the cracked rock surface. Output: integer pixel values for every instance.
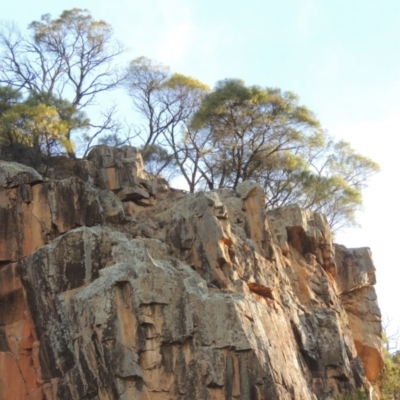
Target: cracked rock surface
(115, 286)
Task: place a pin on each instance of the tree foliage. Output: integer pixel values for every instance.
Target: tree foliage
(215, 138)
(39, 122)
(389, 380)
(264, 134)
(248, 126)
(163, 99)
(159, 160)
(166, 102)
(222, 137)
(70, 57)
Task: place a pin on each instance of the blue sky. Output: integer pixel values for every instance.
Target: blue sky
(340, 56)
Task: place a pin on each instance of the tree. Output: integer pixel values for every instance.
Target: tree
(40, 123)
(144, 82)
(71, 114)
(218, 139)
(389, 379)
(70, 57)
(159, 160)
(265, 135)
(192, 154)
(166, 101)
(339, 176)
(326, 178)
(8, 97)
(249, 126)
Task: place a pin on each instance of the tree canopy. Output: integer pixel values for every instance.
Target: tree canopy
(248, 126)
(166, 101)
(389, 379)
(265, 135)
(39, 123)
(71, 57)
(212, 138)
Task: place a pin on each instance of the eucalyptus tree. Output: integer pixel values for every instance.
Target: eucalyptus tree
(264, 134)
(166, 102)
(35, 124)
(72, 57)
(249, 126)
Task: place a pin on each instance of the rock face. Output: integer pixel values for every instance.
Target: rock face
(356, 277)
(114, 286)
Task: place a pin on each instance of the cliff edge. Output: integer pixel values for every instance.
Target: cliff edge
(115, 286)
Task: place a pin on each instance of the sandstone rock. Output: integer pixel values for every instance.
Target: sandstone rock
(355, 268)
(25, 225)
(33, 214)
(356, 275)
(117, 168)
(112, 208)
(168, 295)
(13, 174)
(144, 328)
(132, 194)
(308, 232)
(64, 167)
(19, 362)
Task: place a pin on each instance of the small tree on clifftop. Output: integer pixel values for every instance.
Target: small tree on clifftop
(166, 101)
(263, 134)
(70, 57)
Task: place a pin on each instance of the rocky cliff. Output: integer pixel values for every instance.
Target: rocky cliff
(115, 286)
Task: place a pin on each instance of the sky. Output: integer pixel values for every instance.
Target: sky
(340, 56)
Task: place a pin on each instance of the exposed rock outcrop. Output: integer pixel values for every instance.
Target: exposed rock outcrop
(356, 277)
(115, 286)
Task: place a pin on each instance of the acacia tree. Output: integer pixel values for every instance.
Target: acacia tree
(71, 57)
